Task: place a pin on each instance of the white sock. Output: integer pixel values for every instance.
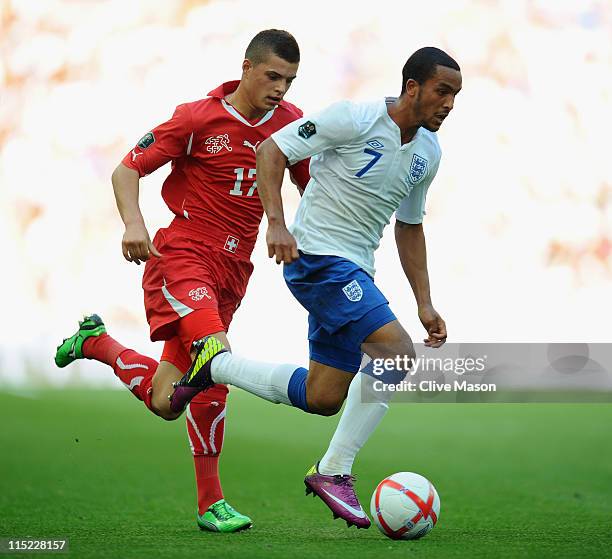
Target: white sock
(266, 380)
(357, 423)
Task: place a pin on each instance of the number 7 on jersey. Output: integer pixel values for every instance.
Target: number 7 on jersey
(376, 155)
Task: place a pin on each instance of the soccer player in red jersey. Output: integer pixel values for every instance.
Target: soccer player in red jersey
(197, 268)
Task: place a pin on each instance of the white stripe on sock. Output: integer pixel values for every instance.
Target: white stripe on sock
(197, 432)
(213, 428)
(133, 383)
(127, 367)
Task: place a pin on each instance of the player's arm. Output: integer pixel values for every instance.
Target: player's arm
(271, 164)
(164, 143)
(296, 142)
(136, 244)
(411, 246)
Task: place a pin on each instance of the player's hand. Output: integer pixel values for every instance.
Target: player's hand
(435, 326)
(281, 244)
(136, 244)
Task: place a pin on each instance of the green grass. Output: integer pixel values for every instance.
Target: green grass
(515, 480)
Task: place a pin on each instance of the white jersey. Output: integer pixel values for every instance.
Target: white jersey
(360, 174)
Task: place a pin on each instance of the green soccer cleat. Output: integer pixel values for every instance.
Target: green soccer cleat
(222, 517)
(71, 348)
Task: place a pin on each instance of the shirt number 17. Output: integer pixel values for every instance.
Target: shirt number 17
(237, 190)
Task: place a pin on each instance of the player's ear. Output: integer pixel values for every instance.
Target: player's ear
(246, 65)
(412, 86)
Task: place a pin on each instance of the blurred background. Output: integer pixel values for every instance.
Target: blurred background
(519, 218)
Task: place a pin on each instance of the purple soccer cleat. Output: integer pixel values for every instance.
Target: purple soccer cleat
(198, 377)
(338, 494)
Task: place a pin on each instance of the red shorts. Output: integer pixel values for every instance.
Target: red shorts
(192, 276)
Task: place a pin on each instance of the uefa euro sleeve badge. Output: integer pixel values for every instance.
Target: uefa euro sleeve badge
(307, 129)
(146, 140)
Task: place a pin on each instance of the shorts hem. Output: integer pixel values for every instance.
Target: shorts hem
(390, 317)
(324, 360)
(164, 332)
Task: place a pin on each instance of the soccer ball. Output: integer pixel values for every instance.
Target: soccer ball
(405, 506)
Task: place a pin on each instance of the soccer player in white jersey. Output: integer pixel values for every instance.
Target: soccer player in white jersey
(368, 160)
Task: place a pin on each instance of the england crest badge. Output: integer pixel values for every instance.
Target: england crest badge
(418, 169)
(353, 291)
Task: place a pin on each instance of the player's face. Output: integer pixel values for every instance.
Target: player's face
(268, 81)
(436, 97)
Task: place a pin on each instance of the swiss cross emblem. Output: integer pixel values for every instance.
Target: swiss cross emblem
(215, 144)
(199, 293)
(231, 244)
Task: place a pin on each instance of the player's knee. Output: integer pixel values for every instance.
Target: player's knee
(406, 352)
(169, 415)
(162, 409)
(389, 341)
(324, 404)
(324, 410)
(394, 348)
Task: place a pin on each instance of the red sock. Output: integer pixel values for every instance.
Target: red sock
(103, 348)
(207, 480)
(132, 368)
(205, 428)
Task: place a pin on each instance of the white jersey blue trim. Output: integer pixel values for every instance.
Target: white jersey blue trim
(360, 174)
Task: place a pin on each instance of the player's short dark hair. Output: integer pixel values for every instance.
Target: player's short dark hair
(422, 65)
(275, 41)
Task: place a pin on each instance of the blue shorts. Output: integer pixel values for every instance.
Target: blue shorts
(344, 307)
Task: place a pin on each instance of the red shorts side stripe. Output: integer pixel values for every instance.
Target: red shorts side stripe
(179, 308)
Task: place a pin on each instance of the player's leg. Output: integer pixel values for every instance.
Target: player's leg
(346, 310)
(91, 341)
(150, 381)
(214, 364)
(335, 488)
(185, 295)
(365, 407)
(205, 418)
(326, 388)
(206, 415)
(340, 351)
(331, 478)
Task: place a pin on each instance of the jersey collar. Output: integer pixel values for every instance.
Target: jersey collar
(224, 89)
(396, 129)
(229, 87)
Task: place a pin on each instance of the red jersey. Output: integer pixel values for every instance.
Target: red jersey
(212, 186)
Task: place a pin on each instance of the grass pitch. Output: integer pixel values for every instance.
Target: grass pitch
(95, 466)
